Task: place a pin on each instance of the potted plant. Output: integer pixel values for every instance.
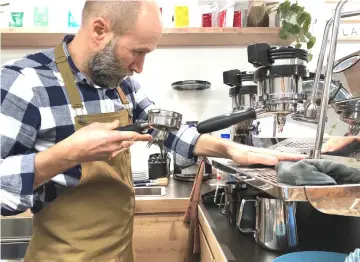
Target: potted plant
(295, 22)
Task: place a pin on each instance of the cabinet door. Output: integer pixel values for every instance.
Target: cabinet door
(205, 251)
(160, 238)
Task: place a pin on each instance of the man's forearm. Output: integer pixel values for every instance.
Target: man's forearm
(208, 145)
(52, 162)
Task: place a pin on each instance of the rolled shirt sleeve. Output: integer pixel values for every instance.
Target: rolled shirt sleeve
(20, 120)
(180, 142)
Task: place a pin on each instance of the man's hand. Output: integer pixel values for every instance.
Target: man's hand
(337, 143)
(100, 141)
(95, 142)
(247, 155)
(211, 146)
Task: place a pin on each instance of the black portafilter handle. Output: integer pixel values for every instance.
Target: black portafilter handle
(139, 127)
(224, 121)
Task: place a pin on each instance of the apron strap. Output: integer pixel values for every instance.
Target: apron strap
(68, 77)
(69, 81)
(122, 96)
(124, 100)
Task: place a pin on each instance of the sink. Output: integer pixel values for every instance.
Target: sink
(150, 191)
(13, 252)
(18, 229)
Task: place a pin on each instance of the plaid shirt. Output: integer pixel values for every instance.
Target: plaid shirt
(36, 114)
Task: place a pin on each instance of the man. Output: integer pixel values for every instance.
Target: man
(61, 155)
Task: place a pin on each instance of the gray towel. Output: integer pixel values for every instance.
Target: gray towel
(316, 172)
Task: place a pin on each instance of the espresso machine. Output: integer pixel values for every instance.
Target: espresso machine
(281, 74)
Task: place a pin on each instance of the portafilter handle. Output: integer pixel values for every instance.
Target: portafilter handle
(224, 121)
(140, 127)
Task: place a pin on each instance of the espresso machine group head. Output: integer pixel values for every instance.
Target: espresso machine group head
(278, 74)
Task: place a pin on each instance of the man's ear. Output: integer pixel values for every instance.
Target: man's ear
(100, 32)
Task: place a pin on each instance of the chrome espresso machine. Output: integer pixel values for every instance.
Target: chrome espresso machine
(285, 89)
(243, 95)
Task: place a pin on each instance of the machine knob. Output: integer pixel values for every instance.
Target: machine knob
(258, 54)
(231, 77)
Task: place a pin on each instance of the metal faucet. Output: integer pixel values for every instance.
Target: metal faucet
(334, 22)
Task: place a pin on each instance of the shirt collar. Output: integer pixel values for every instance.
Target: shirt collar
(79, 76)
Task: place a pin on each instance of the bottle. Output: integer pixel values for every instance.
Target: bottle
(16, 13)
(41, 17)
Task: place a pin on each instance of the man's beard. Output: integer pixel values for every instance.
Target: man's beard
(104, 67)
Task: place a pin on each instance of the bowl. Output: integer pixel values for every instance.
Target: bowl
(312, 256)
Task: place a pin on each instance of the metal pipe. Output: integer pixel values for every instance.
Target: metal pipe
(311, 109)
(328, 77)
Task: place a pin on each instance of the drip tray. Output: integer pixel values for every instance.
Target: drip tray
(336, 200)
(264, 179)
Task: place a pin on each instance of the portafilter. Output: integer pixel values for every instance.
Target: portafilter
(167, 121)
(162, 121)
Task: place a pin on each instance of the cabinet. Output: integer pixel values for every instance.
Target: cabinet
(160, 237)
(205, 251)
(209, 246)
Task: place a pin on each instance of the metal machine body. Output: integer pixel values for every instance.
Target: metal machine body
(243, 96)
(278, 75)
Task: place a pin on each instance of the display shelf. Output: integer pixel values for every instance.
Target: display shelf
(172, 37)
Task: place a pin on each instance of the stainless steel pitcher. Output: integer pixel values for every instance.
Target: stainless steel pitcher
(275, 227)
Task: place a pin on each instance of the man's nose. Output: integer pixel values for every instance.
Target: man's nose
(138, 65)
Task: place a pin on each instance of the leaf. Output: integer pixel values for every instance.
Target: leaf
(283, 34)
(306, 25)
(287, 26)
(298, 45)
(295, 8)
(295, 29)
(302, 38)
(308, 35)
(301, 18)
(285, 7)
(310, 57)
(311, 42)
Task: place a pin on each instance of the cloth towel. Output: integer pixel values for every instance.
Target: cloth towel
(191, 216)
(316, 172)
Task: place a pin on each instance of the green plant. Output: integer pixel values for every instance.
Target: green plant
(296, 23)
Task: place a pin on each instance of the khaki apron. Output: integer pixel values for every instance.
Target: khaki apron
(94, 220)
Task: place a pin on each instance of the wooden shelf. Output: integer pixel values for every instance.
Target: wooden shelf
(172, 37)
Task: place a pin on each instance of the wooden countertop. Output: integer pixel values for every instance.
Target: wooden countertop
(175, 200)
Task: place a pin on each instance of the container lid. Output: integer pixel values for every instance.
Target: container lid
(191, 85)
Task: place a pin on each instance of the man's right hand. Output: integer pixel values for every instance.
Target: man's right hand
(100, 141)
(95, 142)
(337, 143)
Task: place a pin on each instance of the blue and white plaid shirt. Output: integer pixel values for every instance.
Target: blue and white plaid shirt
(36, 114)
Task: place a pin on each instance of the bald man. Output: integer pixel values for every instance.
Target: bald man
(61, 155)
